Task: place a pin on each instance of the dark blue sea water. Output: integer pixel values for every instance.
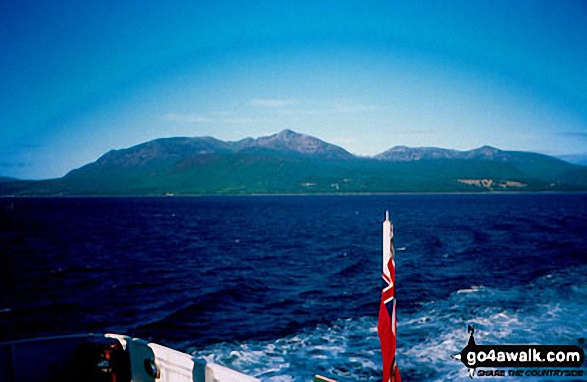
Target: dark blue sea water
(284, 287)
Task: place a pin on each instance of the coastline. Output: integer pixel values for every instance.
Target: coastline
(12, 197)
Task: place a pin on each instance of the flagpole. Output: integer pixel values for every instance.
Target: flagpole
(387, 237)
(387, 324)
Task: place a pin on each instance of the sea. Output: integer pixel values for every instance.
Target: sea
(286, 287)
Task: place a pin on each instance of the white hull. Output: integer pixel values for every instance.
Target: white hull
(133, 359)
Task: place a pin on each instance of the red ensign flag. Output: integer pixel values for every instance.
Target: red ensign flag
(387, 324)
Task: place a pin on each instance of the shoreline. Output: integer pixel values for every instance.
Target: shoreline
(415, 193)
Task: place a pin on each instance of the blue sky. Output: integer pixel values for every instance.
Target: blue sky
(82, 78)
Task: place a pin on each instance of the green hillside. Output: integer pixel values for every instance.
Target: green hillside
(291, 163)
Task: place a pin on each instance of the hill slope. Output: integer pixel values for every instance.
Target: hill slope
(289, 162)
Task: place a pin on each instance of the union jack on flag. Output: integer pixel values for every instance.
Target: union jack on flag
(387, 324)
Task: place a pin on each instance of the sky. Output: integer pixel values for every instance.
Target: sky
(81, 78)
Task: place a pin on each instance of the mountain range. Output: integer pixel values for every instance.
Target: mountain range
(293, 163)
